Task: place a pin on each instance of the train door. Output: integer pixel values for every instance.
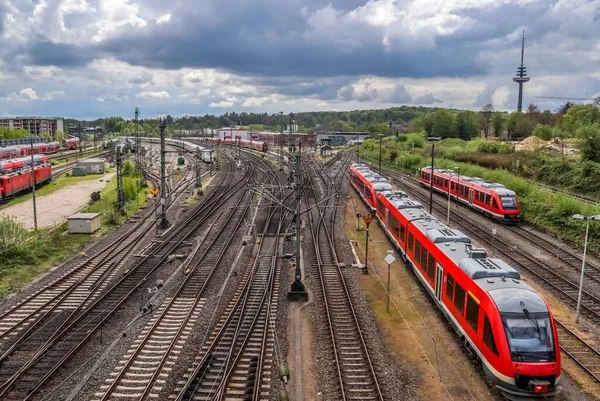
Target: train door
(471, 196)
(439, 280)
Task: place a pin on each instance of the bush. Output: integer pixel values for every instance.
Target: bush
(12, 233)
(393, 155)
(495, 147)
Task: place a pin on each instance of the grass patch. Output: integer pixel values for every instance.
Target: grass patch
(46, 248)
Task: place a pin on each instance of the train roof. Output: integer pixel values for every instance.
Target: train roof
(493, 275)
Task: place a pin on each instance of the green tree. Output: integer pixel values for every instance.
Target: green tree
(580, 115)
(486, 112)
(544, 132)
(518, 126)
(466, 125)
(498, 121)
(59, 136)
(588, 141)
(443, 124)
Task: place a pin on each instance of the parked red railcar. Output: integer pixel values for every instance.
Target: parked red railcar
(504, 323)
(71, 143)
(492, 199)
(368, 184)
(15, 175)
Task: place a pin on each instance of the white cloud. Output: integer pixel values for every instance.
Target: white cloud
(222, 104)
(28, 94)
(153, 95)
(500, 97)
(53, 95)
(24, 95)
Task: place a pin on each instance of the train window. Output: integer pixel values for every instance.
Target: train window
(445, 183)
(411, 240)
(401, 232)
(459, 298)
(452, 186)
(423, 261)
(431, 267)
(472, 312)
(417, 258)
(449, 287)
(380, 207)
(487, 199)
(488, 335)
(494, 203)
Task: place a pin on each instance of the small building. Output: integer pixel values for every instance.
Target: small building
(92, 165)
(84, 223)
(325, 150)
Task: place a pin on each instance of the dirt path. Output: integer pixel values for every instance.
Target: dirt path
(53, 209)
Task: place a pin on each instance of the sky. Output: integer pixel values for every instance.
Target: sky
(98, 58)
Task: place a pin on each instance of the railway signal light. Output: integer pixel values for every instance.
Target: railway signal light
(367, 219)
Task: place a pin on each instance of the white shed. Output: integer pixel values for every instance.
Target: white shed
(84, 223)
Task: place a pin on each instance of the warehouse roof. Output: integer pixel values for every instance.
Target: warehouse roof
(91, 160)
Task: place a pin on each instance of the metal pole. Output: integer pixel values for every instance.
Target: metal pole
(388, 289)
(380, 137)
(457, 185)
(163, 176)
(431, 179)
(298, 290)
(35, 224)
(357, 146)
(449, 185)
(279, 140)
(366, 267)
(587, 229)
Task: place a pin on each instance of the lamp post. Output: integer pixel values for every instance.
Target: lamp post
(357, 147)
(380, 137)
(433, 140)
(587, 230)
(457, 183)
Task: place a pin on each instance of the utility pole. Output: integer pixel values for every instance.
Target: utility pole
(35, 225)
(164, 223)
(198, 172)
(137, 140)
(120, 193)
(298, 290)
(79, 132)
(279, 141)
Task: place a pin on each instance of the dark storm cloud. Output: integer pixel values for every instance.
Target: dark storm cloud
(44, 52)
(271, 38)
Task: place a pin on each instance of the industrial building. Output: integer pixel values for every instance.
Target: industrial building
(36, 126)
(84, 223)
(90, 166)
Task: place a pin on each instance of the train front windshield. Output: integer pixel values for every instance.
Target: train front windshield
(529, 337)
(509, 202)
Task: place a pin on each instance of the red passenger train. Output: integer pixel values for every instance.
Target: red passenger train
(492, 199)
(15, 174)
(504, 323)
(256, 145)
(71, 143)
(368, 184)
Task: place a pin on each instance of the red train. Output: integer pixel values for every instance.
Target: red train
(256, 145)
(504, 323)
(71, 143)
(24, 150)
(368, 184)
(15, 174)
(492, 199)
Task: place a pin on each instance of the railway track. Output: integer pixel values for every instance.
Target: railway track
(141, 374)
(235, 362)
(30, 365)
(356, 374)
(78, 284)
(579, 350)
